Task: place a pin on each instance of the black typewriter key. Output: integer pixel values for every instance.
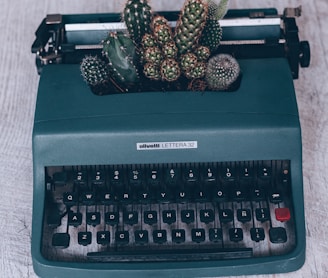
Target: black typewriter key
(122, 237)
(226, 215)
(141, 236)
(209, 175)
(116, 176)
(187, 216)
(215, 234)
(236, 234)
(257, 234)
(159, 236)
(246, 171)
(80, 179)
(190, 175)
(74, 218)
(70, 199)
(135, 177)
(182, 196)
(206, 215)
(239, 194)
(258, 194)
(169, 216)
(172, 176)
(84, 238)
(198, 235)
(178, 235)
(220, 194)
(262, 214)
(60, 240)
(54, 217)
(88, 198)
(106, 197)
(201, 195)
(244, 215)
(103, 237)
(228, 173)
(276, 197)
(98, 179)
(130, 217)
(278, 235)
(112, 218)
(150, 217)
(93, 218)
(154, 177)
(265, 172)
(164, 196)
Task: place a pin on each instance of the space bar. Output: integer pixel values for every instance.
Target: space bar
(171, 255)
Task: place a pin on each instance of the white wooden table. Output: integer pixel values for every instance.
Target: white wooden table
(18, 86)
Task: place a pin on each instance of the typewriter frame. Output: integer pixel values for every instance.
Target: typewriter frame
(249, 131)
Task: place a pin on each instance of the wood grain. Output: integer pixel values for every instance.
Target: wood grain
(18, 88)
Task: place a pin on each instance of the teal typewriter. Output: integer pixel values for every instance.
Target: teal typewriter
(169, 183)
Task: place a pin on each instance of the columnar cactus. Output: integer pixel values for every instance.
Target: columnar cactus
(190, 25)
(212, 33)
(137, 16)
(221, 72)
(120, 51)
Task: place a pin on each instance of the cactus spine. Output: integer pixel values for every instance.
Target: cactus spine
(190, 25)
(221, 72)
(120, 51)
(137, 17)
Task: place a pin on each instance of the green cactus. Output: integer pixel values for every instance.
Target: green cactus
(202, 53)
(137, 16)
(212, 33)
(190, 25)
(170, 70)
(198, 71)
(170, 50)
(188, 61)
(153, 55)
(120, 51)
(221, 72)
(94, 70)
(148, 40)
(152, 71)
(157, 21)
(163, 34)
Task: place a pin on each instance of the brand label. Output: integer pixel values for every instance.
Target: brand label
(150, 146)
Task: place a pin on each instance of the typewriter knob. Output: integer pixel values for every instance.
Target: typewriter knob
(305, 54)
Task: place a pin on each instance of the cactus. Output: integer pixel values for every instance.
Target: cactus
(202, 53)
(148, 40)
(152, 71)
(94, 70)
(120, 51)
(198, 71)
(170, 70)
(137, 16)
(153, 55)
(221, 72)
(212, 33)
(190, 25)
(188, 61)
(170, 50)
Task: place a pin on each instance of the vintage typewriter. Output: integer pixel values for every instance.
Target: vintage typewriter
(169, 184)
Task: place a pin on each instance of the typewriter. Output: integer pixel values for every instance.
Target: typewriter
(169, 184)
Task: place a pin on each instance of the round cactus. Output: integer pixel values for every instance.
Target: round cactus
(188, 61)
(170, 70)
(202, 53)
(120, 51)
(221, 72)
(190, 25)
(148, 40)
(158, 20)
(152, 71)
(153, 55)
(137, 16)
(212, 35)
(163, 34)
(94, 70)
(198, 71)
(170, 50)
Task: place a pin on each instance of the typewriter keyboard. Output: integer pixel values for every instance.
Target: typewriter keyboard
(168, 212)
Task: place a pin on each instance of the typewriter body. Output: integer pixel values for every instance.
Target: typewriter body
(169, 184)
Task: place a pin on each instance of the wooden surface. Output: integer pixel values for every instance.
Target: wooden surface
(18, 86)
